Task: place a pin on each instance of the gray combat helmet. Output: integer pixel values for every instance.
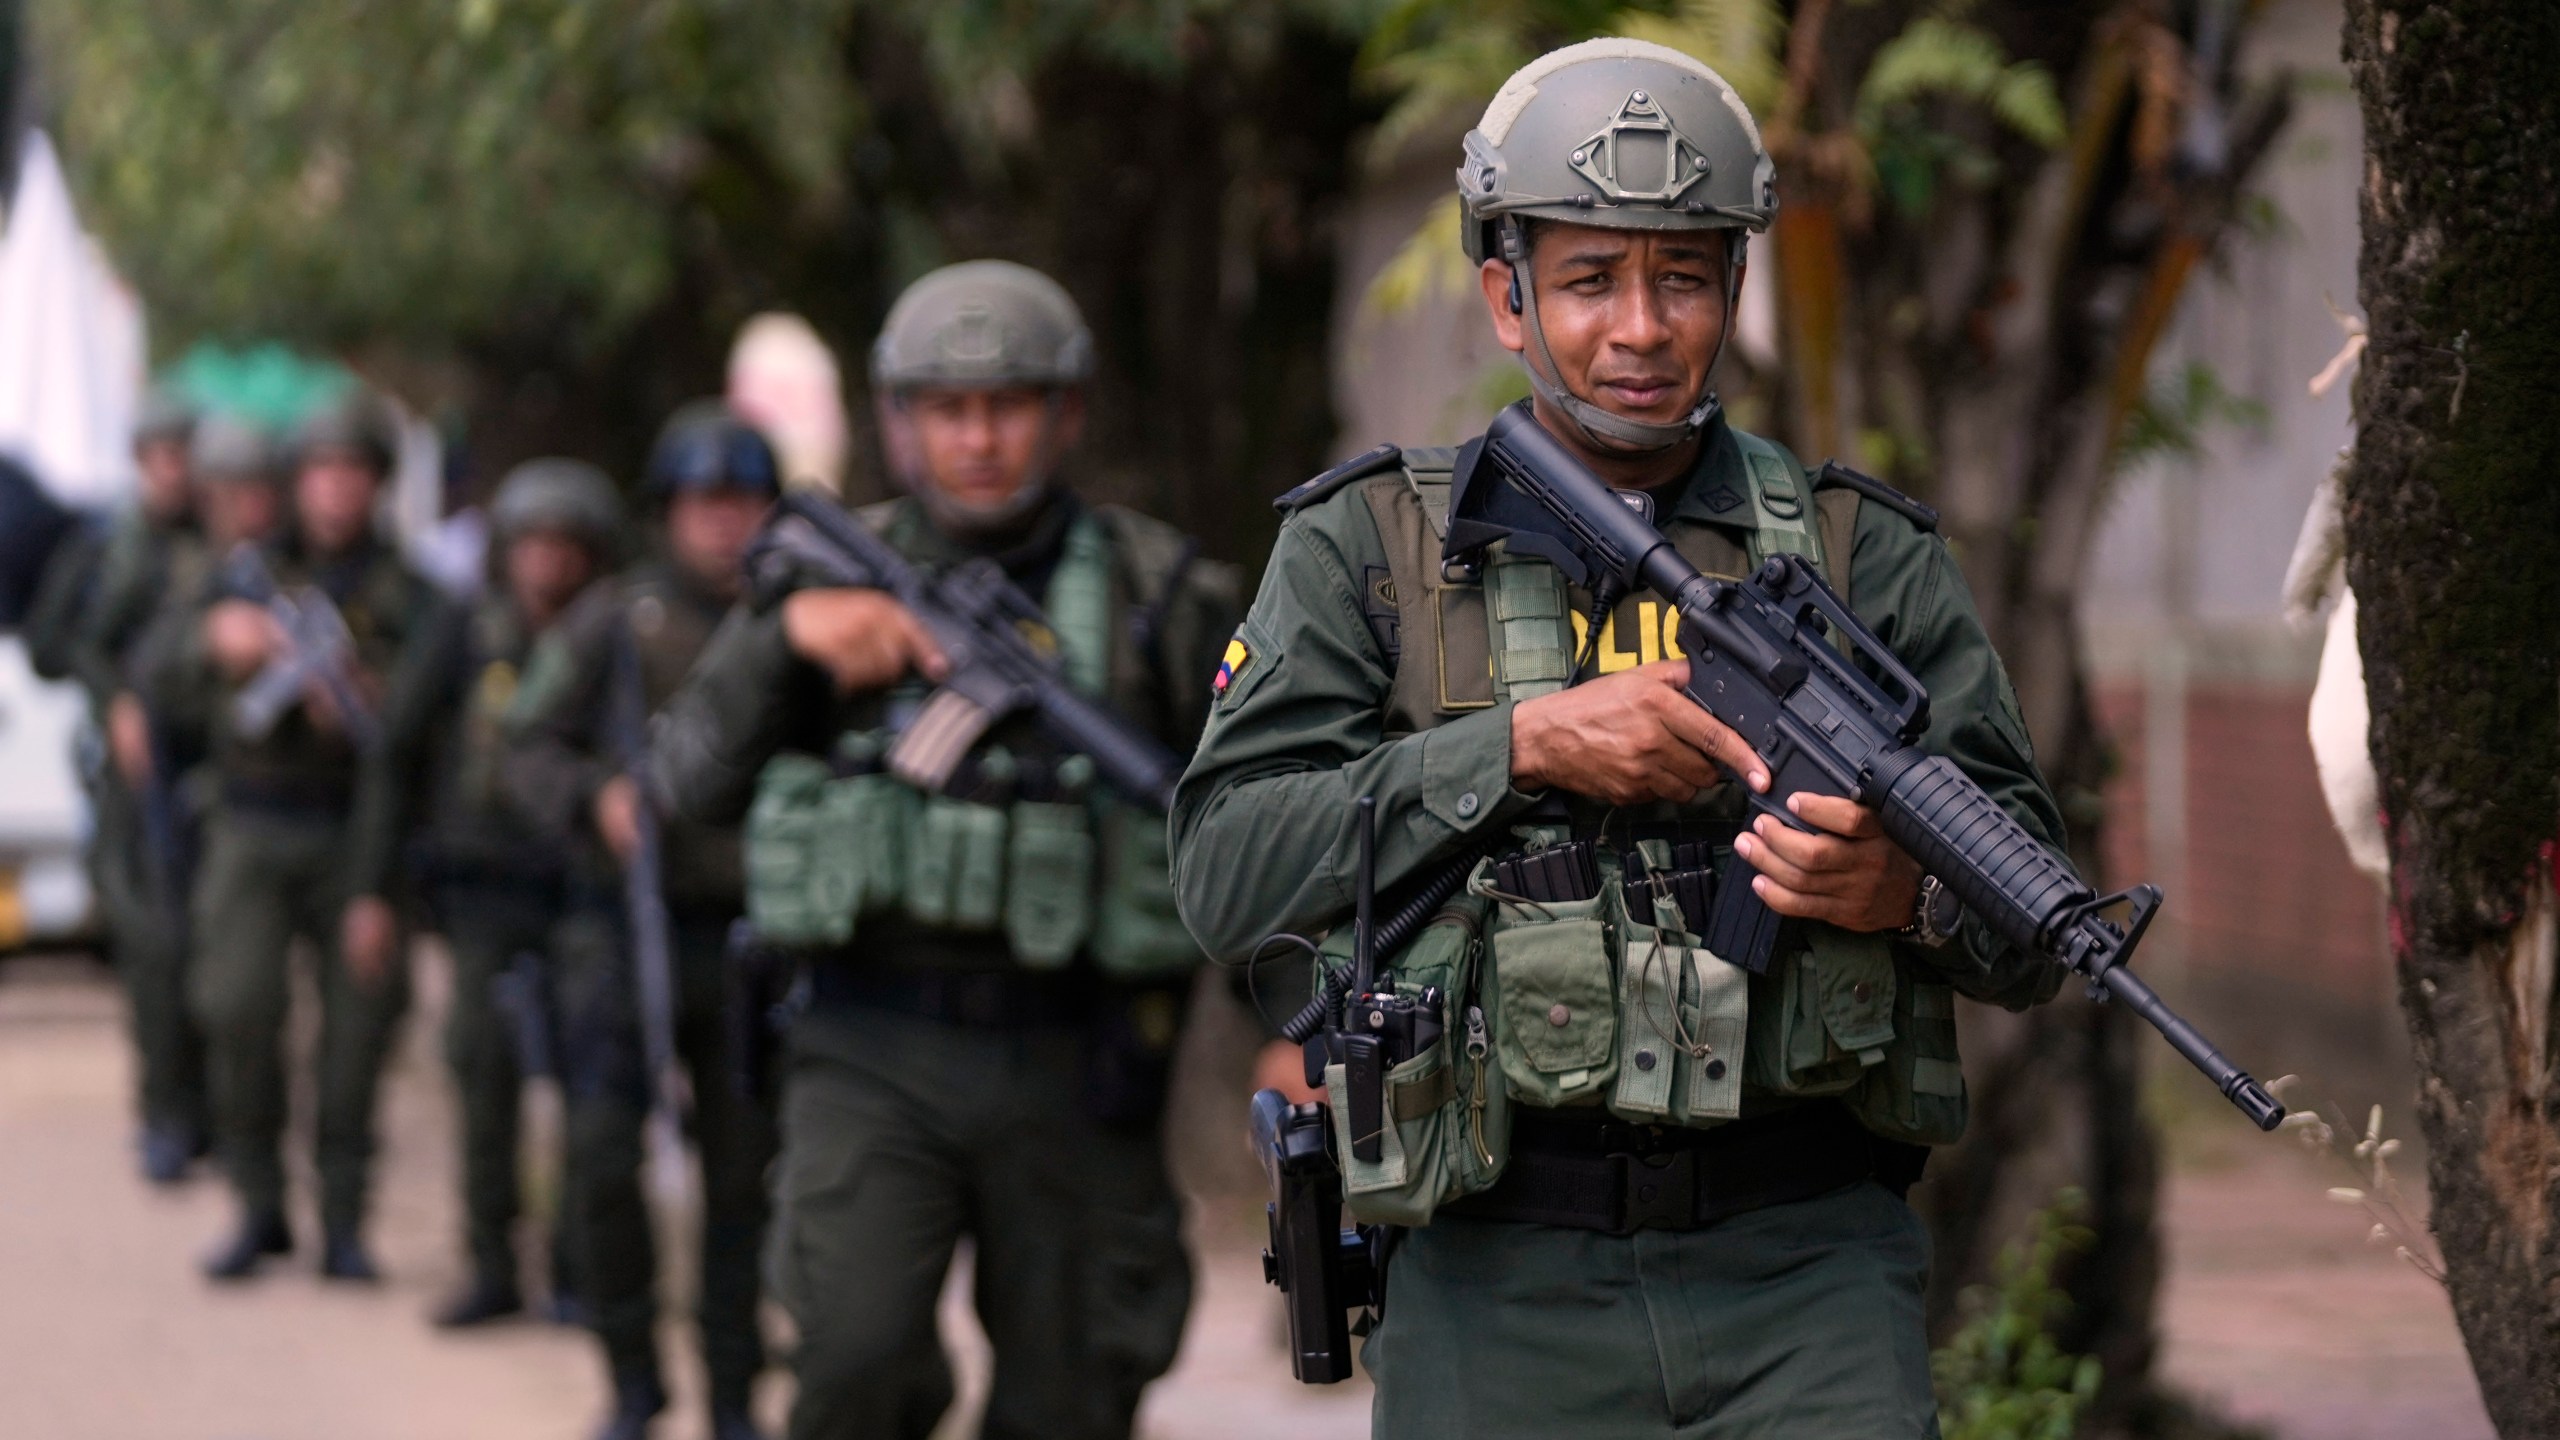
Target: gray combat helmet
(979, 325)
(357, 423)
(1623, 134)
(228, 450)
(982, 325)
(570, 496)
(163, 416)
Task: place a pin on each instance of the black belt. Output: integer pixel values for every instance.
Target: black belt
(981, 999)
(1596, 1173)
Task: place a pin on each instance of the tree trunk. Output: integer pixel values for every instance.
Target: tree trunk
(2453, 548)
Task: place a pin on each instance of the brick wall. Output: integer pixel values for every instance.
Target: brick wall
(2282, 937)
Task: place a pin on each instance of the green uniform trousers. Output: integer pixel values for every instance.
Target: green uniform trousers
(1797, 1320)
(267, 879)
(608, 1102)
(486, 927)
(900, 1135)
(146, 936)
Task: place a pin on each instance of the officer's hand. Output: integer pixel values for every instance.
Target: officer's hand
(368, 931)
(617, 816)
(129, 739)
(241, 637)
(1628, 739)
(864, 639)
(1851, 875)
(1283, 1067)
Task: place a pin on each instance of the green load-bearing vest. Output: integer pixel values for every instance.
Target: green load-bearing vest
(1610, 1002)
(1041, 853)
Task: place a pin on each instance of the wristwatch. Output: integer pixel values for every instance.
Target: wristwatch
(1935, 916)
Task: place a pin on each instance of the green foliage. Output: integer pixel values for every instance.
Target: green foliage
(2002, 1377)
(1936, 58)
(332, 170)
(2170, 421)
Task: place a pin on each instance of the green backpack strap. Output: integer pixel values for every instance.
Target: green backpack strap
(1790, 517)
(1781, 502)
(1532, 629)
(1428, 470)
(1079, 604)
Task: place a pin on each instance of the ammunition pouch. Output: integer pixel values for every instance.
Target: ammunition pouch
(1446, 1112)
(1077, 871)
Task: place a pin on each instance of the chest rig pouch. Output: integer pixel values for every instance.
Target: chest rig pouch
(1604, 994)
(1026, 846)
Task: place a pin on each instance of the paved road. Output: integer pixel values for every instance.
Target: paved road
(2274, 1305)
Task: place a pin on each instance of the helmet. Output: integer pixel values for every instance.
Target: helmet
(357, 423)
(555, 494)
(163, 416)
(706, 446)
(1623, 134)
(226, 449)
(980, 325)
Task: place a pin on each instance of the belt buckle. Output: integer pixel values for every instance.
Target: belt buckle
(1657, 1191)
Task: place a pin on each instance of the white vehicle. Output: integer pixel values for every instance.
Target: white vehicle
(71, 373)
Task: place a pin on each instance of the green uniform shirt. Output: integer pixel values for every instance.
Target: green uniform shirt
(753, 698)
(1262, 826)
(475, 827)
(560, 746)
(402, 627)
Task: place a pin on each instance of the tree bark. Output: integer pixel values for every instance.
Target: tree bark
(2453, 549)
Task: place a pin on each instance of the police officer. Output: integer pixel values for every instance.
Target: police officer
(715, 476)
(993, 1008)
(92, 638)
(499, 885)
(302, 841)
(1681, 1216)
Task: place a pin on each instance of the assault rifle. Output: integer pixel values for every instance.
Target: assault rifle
(644, 902)
(984, 627)
(1761, 660)
(318, 649)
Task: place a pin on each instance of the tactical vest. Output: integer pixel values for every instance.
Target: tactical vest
(1612, 1001)
(1038, 851)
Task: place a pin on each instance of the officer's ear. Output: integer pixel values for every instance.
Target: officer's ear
(1502, 301)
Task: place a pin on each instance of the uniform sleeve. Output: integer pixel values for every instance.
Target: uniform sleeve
(173, 673)
(1262, 821)
(555, 753)
(711, 741)
(66, 591)
(1907, 587)
(418, 695)
(128, 582)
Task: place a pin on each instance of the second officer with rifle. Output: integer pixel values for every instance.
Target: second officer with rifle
(315, 788)
(642, 985)
(966, 845)
(1650, 1188)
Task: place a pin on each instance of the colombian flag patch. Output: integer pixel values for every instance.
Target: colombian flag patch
(1233, 665)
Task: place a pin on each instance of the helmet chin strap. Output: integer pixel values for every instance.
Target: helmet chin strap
(1603, 428)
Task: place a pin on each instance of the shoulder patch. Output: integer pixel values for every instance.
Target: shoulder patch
(1836, 475)
(1368, 463)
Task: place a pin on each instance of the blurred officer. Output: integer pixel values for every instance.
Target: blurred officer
(100, 594)
(988, 1058)
(499, 885)
(715, 477)
(303, 836)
